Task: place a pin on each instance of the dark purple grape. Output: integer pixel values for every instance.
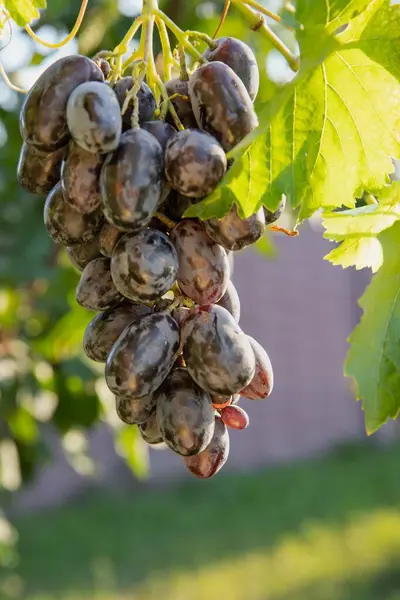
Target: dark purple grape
(176, 205)
(144, 265)
(131, 180)
(150, 430)
(212, 459)
(135, 411)
(43, 119)
(203, 265)
(263, 381)
(81, 255)
(181, 102)
(218, 354)
(108, 238)
(221, 104)
(143, 356)
(80, 179)
(94, 118)
(96, 290)
(272, 216)
(184, 414)
(64, 224)
(231, 302)
(39, 171)
(105, 328)
(147, 103)
(234, 233)
(194, 163)
(161, 130)
(240, 58)
(235, 417)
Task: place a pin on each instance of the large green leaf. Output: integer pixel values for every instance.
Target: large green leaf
(332, 132)
(24, 11)
(357, 232)
(374, 356)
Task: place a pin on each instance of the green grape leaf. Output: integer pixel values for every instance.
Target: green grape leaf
(331, 133)
(331, 13)
(131, 446)
(24, 12)
(373, 360)
(357, 231)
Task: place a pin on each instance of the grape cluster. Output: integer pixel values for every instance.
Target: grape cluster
(117, 187)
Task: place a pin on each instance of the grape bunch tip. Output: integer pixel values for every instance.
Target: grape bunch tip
(167, 323)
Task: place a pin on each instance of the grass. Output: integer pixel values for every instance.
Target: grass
(326, 530)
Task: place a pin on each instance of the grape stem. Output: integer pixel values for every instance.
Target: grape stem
(257, 23)
(9, 84)
(168, 222)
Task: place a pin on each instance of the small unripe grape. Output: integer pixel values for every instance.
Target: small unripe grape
(194, 163)
(94, 118)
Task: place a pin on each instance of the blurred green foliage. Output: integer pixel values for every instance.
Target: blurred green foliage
(43, 375)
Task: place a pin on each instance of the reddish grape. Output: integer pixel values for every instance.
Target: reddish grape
(234, 233)
(235, 417)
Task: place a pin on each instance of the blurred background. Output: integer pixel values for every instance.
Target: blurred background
(307, 507)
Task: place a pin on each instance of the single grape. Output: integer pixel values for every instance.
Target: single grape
(147, 103)
(131, 180)
(43, 119)
(221, 104)
(222, 401)
(81, 255)
(203, 273)
(105, 328)
(231, 302)
(39, 171)
(234, 233)
(103, 65)
(64, 224)
(150, 430)
(235, 417)
(212, 459)
(184, 414)
(143, 356)
(144, 265)
(108, 238)
(263, 381)
(194, 163)
(96, 290)
(181, 314)
(161, 130)
(218, 354)
(80, 178)
(272, 216)
(240, 58)
(94, 118)
(135, 411)
(181, 102)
